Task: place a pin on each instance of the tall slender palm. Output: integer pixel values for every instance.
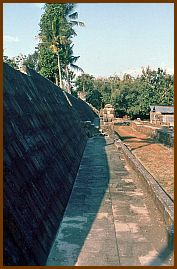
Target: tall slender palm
(60, 30)
(70, 61)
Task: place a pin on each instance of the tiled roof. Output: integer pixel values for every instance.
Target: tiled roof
(163, 109)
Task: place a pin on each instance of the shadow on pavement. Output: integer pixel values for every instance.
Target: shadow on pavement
(89, 193)
(90, 198)
(167, 251)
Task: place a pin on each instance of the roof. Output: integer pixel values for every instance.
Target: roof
(163, 109)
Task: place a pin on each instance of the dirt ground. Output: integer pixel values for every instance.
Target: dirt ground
(156, 158)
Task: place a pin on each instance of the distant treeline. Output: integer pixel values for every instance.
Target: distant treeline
(54, 59)
(130, 96)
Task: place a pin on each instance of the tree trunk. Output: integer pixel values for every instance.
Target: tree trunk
(68, 80)
(59, 70)
(56, 79)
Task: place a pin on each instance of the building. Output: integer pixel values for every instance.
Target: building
(162, 115)
(108, 113)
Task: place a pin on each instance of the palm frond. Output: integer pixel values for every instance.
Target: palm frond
(74, 59)
(78, 23)
(73, 23)
(81, 24)
(73, 16)
(71, 47)
(69, 8)
(76, 68)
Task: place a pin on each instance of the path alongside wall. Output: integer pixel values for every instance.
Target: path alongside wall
(43, 146)
(155, 157)
(110, 219)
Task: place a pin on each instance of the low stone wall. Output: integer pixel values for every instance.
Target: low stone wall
(161, 199)
(162, 135)
(165, 137)
(43, 146)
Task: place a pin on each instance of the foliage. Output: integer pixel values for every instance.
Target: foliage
(47, 64)
(94, 98)
(10, 61)
(54, 57)
(156, 89)
(130, 96)
(31, 61)
(85, 83)
(56, 33)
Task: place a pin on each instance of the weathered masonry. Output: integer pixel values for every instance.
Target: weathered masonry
(160, 115)
(43, 146)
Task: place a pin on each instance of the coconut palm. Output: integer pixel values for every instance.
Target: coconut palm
(57, 30)
(70, 61)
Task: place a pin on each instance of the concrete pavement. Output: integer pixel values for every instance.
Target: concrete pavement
(110, 219)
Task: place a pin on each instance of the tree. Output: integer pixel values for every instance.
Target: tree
(134, 96)
(157, 88)
(106, 91)
(94, 98)
(10, 61)
(56, 32)
(85, 83)
(120, 103)
(31, 61)
(70, 61)
(48, 64)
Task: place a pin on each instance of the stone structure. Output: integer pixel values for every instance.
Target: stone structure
(43, 146)
(162, 115)
(108, 113)
(161, 134)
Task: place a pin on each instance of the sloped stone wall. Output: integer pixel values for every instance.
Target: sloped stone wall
(43, 146)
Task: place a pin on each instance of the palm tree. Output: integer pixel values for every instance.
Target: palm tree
(61, 22)
(70, 61)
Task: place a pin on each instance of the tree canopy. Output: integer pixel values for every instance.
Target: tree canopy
(130, 96)
(53, 57)
(55, 46)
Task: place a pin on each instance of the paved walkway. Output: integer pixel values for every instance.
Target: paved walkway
(156, 158)
(109, 220)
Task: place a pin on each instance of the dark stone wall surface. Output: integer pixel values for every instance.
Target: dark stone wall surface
(43, 146)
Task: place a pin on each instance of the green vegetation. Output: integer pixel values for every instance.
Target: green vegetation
(54, 59)
(55, 46)
(129, 96)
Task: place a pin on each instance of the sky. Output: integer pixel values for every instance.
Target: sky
(117, 38)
